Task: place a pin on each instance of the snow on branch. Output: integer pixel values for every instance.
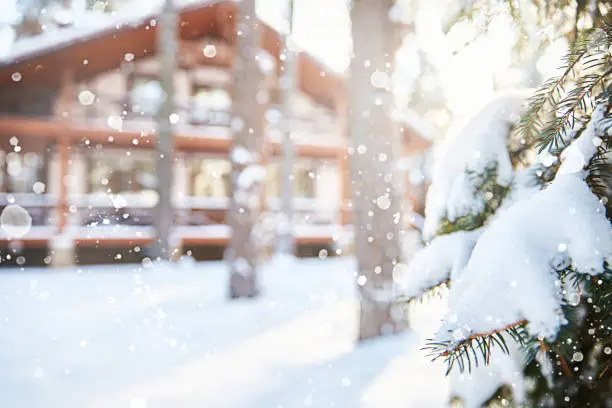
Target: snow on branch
(444, 258)
(512, 273)
(578, 154)
(437, 263)
(481, 147)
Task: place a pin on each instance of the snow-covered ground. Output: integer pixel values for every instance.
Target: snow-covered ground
(152, 337)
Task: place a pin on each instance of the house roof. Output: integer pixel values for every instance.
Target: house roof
(102, 44)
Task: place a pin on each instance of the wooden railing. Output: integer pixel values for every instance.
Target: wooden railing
(40, 207)
(135, 209)
(114, 112)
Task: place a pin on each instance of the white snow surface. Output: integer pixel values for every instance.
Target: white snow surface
(510, 275)
(524, 185)
(167, 336)
(481, 143)
(577, 155)
(438, 262)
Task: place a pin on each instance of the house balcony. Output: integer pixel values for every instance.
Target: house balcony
(111, 121)
(93, 220)
(98, 220)
(207, 136)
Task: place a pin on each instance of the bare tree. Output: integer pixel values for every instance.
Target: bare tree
(250, 97)
(376, 187)
(286, 238)
(167, 52)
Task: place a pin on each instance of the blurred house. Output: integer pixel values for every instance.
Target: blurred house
(77, 137)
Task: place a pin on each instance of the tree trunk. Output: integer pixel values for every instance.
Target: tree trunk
(375, 182)
(167, 54)
(249, 104)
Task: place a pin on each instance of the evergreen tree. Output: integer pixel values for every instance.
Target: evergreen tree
(525, 241)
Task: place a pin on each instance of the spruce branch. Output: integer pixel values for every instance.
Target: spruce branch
(476, 349)
(485, 187)
(555, 133)
(584, 61)
(531, 123)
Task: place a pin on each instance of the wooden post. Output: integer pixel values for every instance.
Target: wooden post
(63, 205)
(167, 56)
(341, 109)
(4, 175)
(374, 139)
(345, 180)
(63, 112)
(248, 176)
(288, 81)
(61, 246)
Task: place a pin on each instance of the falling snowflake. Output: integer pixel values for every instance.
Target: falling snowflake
(265, 62)
(115, 122)
(86, 98)
(379, 79)
(38, 187)
(383, 202)
(210, 51)
(15, 221)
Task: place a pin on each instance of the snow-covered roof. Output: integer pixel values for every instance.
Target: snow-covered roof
(89, 24)
(99, 42)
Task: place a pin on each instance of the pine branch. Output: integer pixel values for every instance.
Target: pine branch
(476, 349)
(573, 277)
(586, 56)
(555, 133)
(599, 169)
(530, 124)
(484, 184)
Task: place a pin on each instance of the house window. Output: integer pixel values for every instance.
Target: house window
(146, 95)
(211, 106)
(273, 180)
(275, 96)
(304, 183)
(305, 179)
(113, 172)
(20, 171)
(210, 177)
